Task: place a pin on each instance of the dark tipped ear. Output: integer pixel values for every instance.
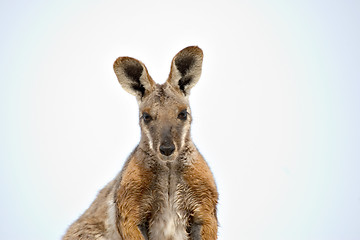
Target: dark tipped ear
(186, 69)
(133, 76)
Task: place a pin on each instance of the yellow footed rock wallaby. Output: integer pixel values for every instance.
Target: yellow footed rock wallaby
(165, 190)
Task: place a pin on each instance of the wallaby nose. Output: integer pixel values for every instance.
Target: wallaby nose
(167, 149)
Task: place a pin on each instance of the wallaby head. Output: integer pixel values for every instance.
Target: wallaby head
(164, 110)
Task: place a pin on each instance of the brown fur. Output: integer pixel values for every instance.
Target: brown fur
(166, 190)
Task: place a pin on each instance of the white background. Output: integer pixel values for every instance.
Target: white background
(276, 111)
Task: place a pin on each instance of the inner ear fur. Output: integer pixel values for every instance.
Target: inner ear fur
(133, 76)
(186, 69)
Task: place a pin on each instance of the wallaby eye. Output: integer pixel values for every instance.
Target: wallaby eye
(147, 118)
(183, 115)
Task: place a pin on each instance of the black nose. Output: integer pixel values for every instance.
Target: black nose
(167, 149)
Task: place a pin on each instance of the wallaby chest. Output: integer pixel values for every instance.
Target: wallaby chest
(168, 219)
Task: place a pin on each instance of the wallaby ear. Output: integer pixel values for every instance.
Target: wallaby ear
(133, 77)
(186, 69)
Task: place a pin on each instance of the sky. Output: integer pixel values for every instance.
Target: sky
(276, 111)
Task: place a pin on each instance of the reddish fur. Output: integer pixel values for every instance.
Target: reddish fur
(202, 185)
(129, 198)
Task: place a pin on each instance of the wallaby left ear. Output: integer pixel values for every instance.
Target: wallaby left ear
(186, 69)
(133, 77)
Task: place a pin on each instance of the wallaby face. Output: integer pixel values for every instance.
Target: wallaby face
(165, 122)
(166, 189)
(165, 115)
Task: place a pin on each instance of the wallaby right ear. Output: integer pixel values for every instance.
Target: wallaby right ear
(133, 77)
(186, 69)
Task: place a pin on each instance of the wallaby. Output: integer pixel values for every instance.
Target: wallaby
(165, 190)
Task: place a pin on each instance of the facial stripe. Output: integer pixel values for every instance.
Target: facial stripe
(183, 135)
(151, 143)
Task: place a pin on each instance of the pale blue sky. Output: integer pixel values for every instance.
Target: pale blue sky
(276, 111)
